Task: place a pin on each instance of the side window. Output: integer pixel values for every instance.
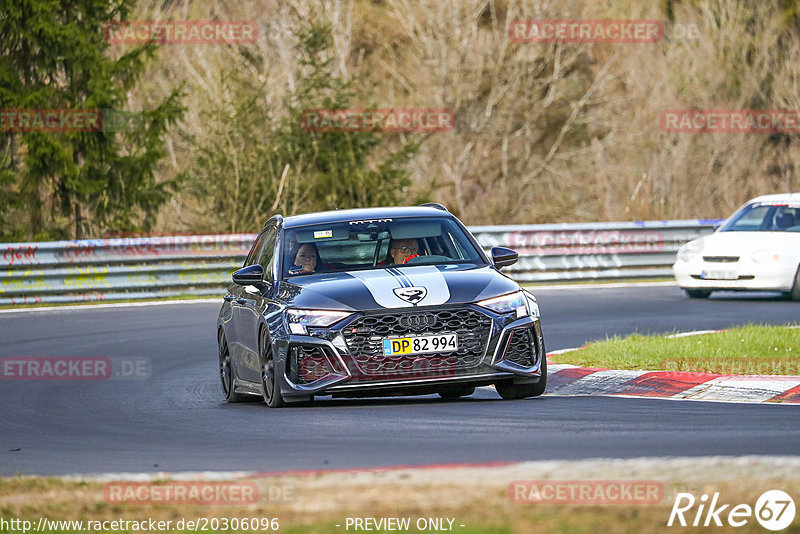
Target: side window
(267, 252)
(255, 249)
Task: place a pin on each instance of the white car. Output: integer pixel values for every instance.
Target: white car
(756, 249)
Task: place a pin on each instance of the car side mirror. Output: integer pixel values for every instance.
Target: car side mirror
(252, 275)
(503, 257)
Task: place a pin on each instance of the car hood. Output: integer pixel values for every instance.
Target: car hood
(744, 243)
(421, 285)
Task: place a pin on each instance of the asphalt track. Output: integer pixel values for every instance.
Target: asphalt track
(176, 420)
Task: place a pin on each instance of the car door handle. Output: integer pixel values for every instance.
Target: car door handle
(228, 298)
(241, 300)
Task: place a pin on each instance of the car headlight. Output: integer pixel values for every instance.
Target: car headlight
(512, 302)
(533, 306)
(300, 320)
(691, 249)
(763, 255)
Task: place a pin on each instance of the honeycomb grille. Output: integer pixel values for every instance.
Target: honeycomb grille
(307, 364)
(520, 349)
(364, 338)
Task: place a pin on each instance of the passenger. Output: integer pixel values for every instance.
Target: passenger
(306, 259)
(784, 220)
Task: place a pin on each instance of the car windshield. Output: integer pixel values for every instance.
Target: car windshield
(766, 217)
(377, 243)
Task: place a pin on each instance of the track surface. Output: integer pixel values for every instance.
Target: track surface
(176, 420)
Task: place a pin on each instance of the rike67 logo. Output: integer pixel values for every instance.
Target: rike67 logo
(774, 510)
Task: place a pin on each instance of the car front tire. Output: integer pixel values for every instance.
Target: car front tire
(794, 294)
(226, 372)
(698, 293)
(508, 390)
(270, 387)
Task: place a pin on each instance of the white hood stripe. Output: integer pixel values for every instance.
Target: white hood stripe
(382, 287)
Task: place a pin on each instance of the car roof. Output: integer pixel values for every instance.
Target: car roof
(362, 214)
(770, 198)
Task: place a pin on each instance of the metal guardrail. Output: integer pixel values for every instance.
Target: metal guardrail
(586, 251)
(146, 267)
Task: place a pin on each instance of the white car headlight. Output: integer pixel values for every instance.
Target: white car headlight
(299, 320)
(690, 250)
(762, 255)
(512, 302)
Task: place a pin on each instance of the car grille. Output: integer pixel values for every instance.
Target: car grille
(307, 364)
(364, 337)
(721, 259)
(520, 348)
(741, 277)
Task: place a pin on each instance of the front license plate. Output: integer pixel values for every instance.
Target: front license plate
(719, 275)
(397, 346)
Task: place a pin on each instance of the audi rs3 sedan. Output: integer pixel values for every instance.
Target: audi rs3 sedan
(376, 302)
(756, 249)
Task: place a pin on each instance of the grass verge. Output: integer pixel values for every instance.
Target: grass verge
(475, 497)
(745, 350)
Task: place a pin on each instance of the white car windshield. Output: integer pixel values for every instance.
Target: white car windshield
(775, 216)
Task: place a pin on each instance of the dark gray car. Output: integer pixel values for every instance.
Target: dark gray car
(373, 302)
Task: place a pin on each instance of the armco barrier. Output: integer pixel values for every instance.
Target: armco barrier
(145, 267)
(630, 250)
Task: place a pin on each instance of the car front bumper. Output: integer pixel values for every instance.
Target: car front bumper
(325, 364)
(750, 276)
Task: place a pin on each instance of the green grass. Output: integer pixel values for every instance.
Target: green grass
(320, 504)
(746, 350)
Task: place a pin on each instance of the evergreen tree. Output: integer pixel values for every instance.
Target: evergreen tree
(76, 183)
(259, 161)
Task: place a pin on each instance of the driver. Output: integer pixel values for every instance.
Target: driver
(403, 250)
(305, 262)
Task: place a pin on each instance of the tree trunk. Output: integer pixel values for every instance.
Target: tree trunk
(78, 221)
